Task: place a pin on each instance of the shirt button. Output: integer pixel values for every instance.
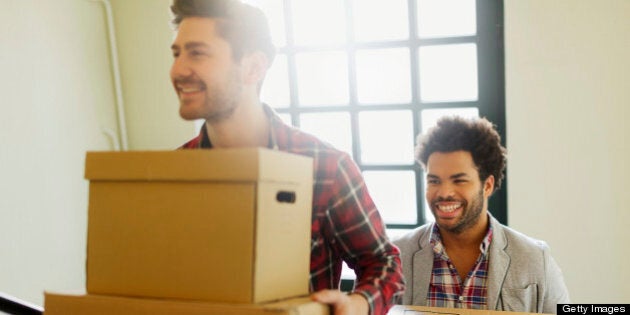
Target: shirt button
(461, 299)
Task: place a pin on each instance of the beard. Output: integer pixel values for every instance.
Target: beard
(470, 216)
(223, 105)
(220, 100)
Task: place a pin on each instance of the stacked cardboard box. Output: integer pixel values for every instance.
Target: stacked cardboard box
(69, 304)
(195, 230)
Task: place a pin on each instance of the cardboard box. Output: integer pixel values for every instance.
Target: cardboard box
(425, 310)
(229, 225)
(67, 304)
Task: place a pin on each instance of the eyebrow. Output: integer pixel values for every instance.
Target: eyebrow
(189, 45)
(454, 176)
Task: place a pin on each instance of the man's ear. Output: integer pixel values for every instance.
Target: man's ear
(255, 67)
(488, 186)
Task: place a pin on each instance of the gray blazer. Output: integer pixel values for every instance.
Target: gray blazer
(522, 275)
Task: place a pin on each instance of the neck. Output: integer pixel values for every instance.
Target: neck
(248, 126)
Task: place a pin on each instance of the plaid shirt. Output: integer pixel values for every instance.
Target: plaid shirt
(346, 224)
(446, 288)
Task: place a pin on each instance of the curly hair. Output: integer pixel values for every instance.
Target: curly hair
(476, 136)
(244, 26)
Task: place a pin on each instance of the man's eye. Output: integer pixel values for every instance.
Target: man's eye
(196, 53)
(432, 181)
(175, 54)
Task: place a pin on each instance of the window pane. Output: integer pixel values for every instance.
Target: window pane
(274, 11)
(347, 273)
(383, 76)
(318, 22)
(446, 18)
(198, 124)
(428, 215)
(275, 89)
(322, 78)
(392, 22)
(331, 127)
(429, 117)
(386, 137)
(448, 73)
(286, 118)
(394, 193)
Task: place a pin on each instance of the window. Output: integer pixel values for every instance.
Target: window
(368, 76)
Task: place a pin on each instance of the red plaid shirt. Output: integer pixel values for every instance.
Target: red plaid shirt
(346, 224)
(447, 288)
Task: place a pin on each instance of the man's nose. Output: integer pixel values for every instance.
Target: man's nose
(445, 190)
(180, 68)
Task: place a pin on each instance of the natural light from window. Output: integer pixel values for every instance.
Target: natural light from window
(363, 79)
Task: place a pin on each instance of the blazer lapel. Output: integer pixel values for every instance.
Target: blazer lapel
(423, 265)
(498, 264)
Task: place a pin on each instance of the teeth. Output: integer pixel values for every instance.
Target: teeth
(190, 90)
(449, 208)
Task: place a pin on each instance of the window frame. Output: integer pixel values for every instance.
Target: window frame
(489, 40)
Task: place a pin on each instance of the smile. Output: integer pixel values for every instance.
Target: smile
(189, 86)
(189, 89)
(448, 207)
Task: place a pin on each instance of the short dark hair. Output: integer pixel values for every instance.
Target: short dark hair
(244, 26)
(477, 136)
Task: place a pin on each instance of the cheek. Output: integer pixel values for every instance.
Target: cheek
(477, 194)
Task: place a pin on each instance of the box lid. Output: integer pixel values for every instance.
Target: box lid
(234, 164)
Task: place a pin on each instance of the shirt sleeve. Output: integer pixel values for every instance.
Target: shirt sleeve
(361, 238)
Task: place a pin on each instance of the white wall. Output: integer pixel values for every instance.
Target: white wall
(568, 93)
(56, 90)
(144, 36)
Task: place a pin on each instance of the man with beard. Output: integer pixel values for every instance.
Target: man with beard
(467, 259)
(221, 54)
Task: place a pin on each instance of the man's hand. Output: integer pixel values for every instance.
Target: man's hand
(342, 304)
